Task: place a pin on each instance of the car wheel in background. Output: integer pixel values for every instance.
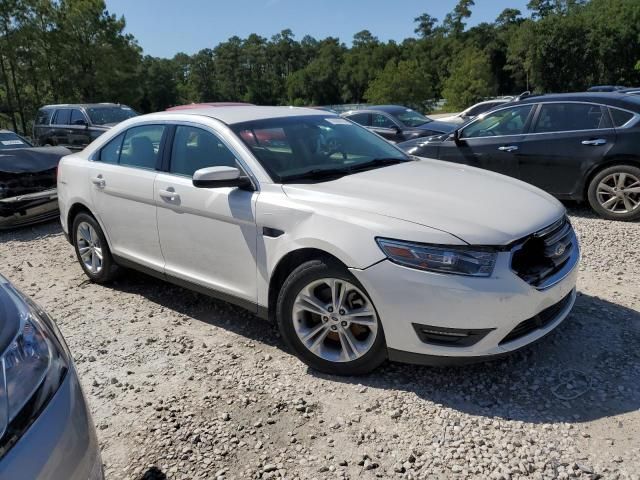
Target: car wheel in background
(614, 193)
(329, 321)
(92, 249)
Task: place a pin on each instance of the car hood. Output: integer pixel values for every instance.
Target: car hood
(477, 206)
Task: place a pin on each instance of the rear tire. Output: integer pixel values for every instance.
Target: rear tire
(326, 317)
(92, 249)
(614, 193)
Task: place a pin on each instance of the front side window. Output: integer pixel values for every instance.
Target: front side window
(141, 146)
(563, 117)
(620, 117)
(110, 115)
(411, 118)
(508, 121)
(43, 117)
(195, 148)
(381, 121)
(289, 147)
(63, 117)
(77, 118)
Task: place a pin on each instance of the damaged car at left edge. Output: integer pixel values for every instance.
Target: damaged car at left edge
(27, 181)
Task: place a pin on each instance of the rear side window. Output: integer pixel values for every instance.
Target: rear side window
(77, 118)
(563, 117)
(43, 117)
(110, 153)
(141, 146)
(620, 117)
(194, 148)
(361, 119)
(63, 117)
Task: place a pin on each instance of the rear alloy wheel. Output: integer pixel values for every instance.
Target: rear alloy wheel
(92, 249)
(329, 321)
(615, 193)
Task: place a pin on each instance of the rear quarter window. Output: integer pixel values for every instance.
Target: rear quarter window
(620, 117)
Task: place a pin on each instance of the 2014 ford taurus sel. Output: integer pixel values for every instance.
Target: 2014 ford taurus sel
(358, 251)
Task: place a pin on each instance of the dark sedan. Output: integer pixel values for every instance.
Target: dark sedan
(397, 123)
(579, 146)
(27, 181)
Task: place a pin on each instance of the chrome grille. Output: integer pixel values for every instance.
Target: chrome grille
(545, 253)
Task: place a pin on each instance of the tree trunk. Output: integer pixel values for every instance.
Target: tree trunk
(9, 103)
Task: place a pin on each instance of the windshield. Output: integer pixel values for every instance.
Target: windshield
(11, 140)
(108, 115)
(291, 147)
(411, 118)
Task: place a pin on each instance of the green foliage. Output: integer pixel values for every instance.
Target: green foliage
(54, 51)
(401, 82)
(470, 80)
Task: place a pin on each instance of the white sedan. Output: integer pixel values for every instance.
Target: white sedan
(357, 251)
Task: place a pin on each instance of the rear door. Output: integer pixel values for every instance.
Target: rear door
(492, 142)
(122, 177)
(208, 235)
(566, 139)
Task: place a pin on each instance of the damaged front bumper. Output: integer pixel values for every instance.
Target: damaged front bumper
(28, 208)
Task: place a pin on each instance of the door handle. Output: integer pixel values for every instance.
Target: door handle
(595, 142)
(169, 194)
(98, 181)
(508, 148)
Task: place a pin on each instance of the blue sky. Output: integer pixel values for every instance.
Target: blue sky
(165, 27)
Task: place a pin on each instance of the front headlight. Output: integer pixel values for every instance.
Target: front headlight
(32, 368)
(473, 261)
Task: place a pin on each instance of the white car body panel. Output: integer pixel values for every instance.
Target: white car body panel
(214, 238)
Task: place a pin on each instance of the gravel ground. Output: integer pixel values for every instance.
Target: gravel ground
(185, 387)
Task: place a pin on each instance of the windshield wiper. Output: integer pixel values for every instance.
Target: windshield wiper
(318, 174)
(377, 163)
(332, 173)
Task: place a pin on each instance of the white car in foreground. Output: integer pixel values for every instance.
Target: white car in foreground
(358, 252)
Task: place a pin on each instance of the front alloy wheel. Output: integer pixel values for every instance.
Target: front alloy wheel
(335, 320)
(327, 318)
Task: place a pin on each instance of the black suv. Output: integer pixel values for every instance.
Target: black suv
(76, 126)
(576, 146)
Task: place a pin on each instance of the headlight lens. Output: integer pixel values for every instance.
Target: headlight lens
(471, 261)
(31, 370)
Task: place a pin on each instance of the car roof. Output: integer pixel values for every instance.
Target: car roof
(240, 114)
(83, 105)
(207, 104)
(614, 99)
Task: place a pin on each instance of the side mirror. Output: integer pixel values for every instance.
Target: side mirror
(216, 177)
(455, 135)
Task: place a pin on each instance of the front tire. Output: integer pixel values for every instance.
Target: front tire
(326, 317)
(92, 249)
(614, 193)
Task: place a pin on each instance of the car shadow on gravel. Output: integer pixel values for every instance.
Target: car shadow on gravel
(583, 210)
(29, 233)
(589, 368)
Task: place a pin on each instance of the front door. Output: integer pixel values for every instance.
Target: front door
(208, 235)
(493, 142)
(122, 180)
(385, 127)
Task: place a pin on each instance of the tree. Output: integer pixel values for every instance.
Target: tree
(454, 22)
(470, 81)
(426, 25)
(403, 82)
(508, 16)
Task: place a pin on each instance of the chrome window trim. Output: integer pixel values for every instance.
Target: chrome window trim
(630, 123)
